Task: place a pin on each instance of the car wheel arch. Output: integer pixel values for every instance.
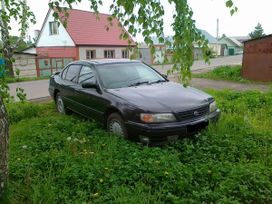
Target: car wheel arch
(55, 94)
(110, 111)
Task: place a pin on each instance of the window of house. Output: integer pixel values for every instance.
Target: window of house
(90, 54)
(86, 75)
(53, 28)
(109, 54)
(125, 54)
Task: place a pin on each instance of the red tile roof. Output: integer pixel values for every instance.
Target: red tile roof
(85, 29)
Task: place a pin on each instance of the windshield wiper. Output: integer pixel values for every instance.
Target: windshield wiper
(158, 81)
(139, 83)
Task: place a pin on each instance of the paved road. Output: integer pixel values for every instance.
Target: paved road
(220, 85)
(33, 89)
(200, 65)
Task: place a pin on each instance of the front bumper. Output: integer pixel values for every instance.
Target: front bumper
(161, 133)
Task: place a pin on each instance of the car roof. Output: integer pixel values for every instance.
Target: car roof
(106, 61)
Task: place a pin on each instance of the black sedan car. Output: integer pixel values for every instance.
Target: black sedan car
(132, 100)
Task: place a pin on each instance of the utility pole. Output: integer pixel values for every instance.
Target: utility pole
(218, 49)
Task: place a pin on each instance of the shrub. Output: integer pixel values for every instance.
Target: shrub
(25, 110)
(231, 73)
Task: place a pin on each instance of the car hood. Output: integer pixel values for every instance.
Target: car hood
(162, 97)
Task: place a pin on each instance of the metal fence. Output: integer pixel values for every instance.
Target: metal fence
(47, 66)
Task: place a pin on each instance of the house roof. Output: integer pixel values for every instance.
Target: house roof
(236, 42)
(209, 37)
(266, 36)
(241, 39)
(86, 29)
(231, 40)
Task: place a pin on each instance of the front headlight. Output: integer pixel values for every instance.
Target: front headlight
(157, 118)
(213, 107)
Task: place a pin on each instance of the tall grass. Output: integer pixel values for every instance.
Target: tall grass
(66, 159)
(230, 73)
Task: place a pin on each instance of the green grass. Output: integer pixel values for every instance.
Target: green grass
(22, 79)
(66, 159)
(229, 73)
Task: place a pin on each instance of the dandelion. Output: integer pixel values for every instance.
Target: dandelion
(96, 194)
(24, 146)
(19, 159)
(106, 168)
(101, 180)
(68, 138)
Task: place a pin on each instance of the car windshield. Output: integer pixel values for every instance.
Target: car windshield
(128, 74)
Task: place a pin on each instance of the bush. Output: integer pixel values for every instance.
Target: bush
(23, 111)
(64, 159)
(231, 73)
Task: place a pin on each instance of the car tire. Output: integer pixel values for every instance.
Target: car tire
(61, 108)
(116, 125)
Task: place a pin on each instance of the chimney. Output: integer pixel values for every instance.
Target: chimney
(217, 29)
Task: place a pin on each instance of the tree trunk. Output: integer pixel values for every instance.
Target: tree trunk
(7, 49)
(4, 141)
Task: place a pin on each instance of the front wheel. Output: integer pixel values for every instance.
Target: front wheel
(60, 105)
(116, 125)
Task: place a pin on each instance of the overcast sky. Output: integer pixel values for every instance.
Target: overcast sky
(205, 13)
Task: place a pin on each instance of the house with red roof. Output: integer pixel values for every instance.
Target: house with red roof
(85, 37)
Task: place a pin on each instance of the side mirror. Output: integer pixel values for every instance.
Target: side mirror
(89, 85)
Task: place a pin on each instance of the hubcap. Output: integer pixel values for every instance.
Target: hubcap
(60, 105)
(116, 128)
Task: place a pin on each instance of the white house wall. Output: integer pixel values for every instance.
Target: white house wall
(216, 48)
(100, 52)
(47, 40)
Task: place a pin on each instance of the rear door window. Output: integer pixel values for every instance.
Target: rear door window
(72, 73)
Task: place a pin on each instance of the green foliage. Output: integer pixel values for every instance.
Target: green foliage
(20, 12)
(230, 73)
(258, 32)
(4, 90)
(24, 111)
(22, 79)
(17, 72)
(64, 159)
(20, 93)
(17, 43)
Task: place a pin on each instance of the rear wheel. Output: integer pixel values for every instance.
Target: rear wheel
(60, 105)
(116, 125)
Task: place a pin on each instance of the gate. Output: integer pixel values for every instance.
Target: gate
(47, 66)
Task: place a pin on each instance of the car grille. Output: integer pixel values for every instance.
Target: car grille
(193, 114)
